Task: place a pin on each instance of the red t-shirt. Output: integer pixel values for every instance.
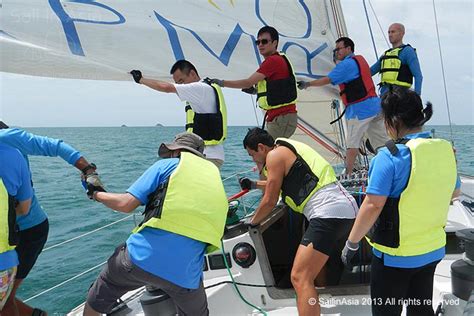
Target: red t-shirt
(274, 67)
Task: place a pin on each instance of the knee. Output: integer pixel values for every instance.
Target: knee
(298, 279)
(97, 303)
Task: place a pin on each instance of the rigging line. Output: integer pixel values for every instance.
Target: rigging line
(254, 110)
(378, 22)
(339, 129)
(370, 30)
(64, 282)
(88, 233)
(442, 71)
(317, 139)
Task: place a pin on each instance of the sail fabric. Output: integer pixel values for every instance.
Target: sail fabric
(85, 39)
(105, 39)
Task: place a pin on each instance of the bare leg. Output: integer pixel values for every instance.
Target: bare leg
(306, 267)
(351, 155)
(11, 307)
(25, 309)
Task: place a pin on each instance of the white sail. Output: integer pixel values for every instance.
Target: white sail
(104, 40)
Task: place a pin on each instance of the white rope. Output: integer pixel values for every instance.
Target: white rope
(64, 282)
(237, 174)
(88, 233)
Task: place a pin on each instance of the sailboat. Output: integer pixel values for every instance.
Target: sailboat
(85, 39)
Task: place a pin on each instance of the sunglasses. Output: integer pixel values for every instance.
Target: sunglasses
(337, 49)
(262, 41)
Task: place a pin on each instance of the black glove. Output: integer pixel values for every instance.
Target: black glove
(218, 82)
(92, 183)
(251, 90)
(137, 75)
(247, 184)
(303, 84)
(350, 249)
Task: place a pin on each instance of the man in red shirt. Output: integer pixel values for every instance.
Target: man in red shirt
(275, 85)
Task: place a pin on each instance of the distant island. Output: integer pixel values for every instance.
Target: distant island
(159, 125)
(123, 125)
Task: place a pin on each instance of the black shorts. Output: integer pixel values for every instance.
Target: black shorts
(31, 244)
(327, 234)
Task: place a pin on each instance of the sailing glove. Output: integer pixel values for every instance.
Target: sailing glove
(137, 75)
(350, 249)
(251, 90)
(303, 85)
(247, 184)
(218, 82)
(92, 183)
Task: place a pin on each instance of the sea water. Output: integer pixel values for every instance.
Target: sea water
(63, 273)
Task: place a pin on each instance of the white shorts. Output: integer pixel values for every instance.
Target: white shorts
(373, 126)
(331, 201)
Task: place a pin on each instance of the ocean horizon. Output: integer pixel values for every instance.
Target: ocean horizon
(61, 277)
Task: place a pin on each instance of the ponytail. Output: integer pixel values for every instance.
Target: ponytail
(428, 113)
(402, 107)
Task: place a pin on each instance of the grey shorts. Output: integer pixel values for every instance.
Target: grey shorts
(120, 275)
(373, 127)
(282, 125)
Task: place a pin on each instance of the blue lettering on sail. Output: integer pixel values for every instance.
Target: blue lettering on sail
(69, 26)
(309, 57)
(223, 57)
(231, 44)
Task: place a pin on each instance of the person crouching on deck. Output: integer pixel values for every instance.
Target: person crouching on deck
(185, 214)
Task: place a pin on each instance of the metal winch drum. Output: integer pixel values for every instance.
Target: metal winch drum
(462, 270)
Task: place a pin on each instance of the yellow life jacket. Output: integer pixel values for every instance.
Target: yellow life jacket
(191, 203)
(413, 224)
(309, 173)
(392, 69)
(212, 127)
(278, 93)
(8, 227)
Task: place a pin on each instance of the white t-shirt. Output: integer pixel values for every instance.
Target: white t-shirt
(202, 99)
(331, 201)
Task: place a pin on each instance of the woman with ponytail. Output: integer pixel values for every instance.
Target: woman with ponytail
(411, 183)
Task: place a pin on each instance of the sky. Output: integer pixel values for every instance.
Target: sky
(43, 102)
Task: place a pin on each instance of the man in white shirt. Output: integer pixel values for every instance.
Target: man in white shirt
(205, 106)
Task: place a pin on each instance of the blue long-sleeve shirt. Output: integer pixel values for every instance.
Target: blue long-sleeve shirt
(407, 57)
(16, 179)
(30, 144)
